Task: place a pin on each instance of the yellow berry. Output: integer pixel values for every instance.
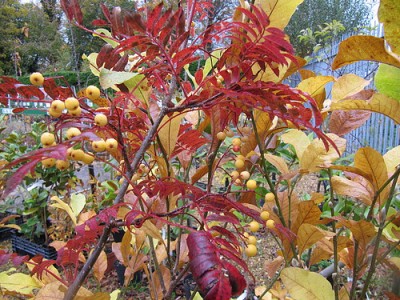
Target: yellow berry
(239, 163)
(88, 158)
(111, 144)
(269, 197)
(48, 162)
(76, 112)
(62, 164)
(235, 175)
(229, 133)
(36, 79)
(221, 135)
(99, 146)
(264, 215)
(57, 105)
(244, 175)
(254, 226)
(47, 139)
(236, 142)
(73, 132)
(77, 154)
(71, 103)
(54, 113)
(92, 92)
(101, 120)
(252, 240)
(250, 250)
(251, 184)
(270, 224)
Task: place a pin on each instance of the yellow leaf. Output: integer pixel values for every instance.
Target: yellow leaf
(263, 125)
(64, 206)
(18, 282)
(315, 85)
(77, 203)
(371, 162)
(303, 284)
(345, 187)
(151, 230)
(114, 294)
(392, 159)
(105, 32)
(307, 236)
(379, 103)
(363, 47)
(278, 162)
(169, 130)
(388, 14)
(279, 11)
(125, 247)
(259, 290)
(298, 139)
(109, 78)
(94, 68)
(348, 85)
(56, 291)
(315, 156)
(396, 262)
(100, 266)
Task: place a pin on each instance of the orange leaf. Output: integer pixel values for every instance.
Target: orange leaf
(166, 277)
(100, 266)
(371, 162)
(363, 231)
(307, 236)
(345, 187)
(308, 213)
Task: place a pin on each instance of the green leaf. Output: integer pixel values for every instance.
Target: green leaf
(387, 81)
(303, 284)
(388, 14)
(105, 32)
(110, 78)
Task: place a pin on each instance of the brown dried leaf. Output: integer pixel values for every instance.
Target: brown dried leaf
(272, 266)
(319, 254)
(166, 277)
(278, 162)
(379, 103)
(345, 187)
(342, 122)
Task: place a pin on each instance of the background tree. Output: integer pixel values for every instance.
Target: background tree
(311, 15)
(42, 48)
(10, 12)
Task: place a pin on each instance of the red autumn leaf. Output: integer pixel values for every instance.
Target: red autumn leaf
(215, 276)
(72, 10)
